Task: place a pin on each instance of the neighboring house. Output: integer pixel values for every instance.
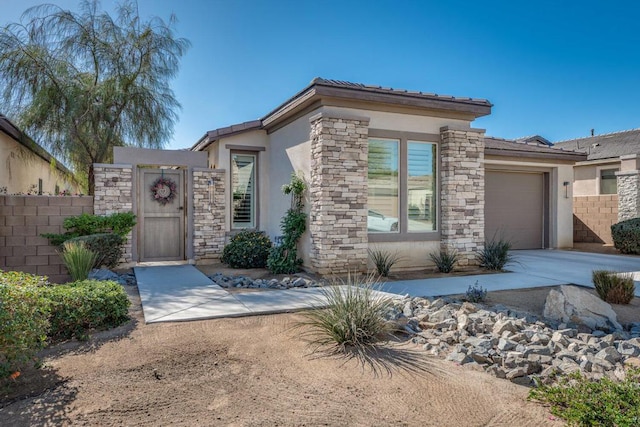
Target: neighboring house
(606, 186)
(27, 168)
(395, 170)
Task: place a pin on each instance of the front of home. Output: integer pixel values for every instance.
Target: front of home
(387, 169)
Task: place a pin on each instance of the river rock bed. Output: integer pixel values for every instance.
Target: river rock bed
(243, 282)
(514, 345)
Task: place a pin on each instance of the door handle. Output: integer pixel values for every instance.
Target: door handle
(180, 208)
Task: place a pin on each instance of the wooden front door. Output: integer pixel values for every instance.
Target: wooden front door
(161, 215)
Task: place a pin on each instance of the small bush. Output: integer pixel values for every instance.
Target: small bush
(383, 260)
(87, 224)
(614, 288)
(80, 306)
(78, 259)
(23, 320)
(445, 259)
(584, 402)
(247, 249)
(283, 260)
(626, 236)
(495, 255)
(476, 293)
(107, 247)
(354, 319)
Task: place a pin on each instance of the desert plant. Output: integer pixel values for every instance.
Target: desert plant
(354, 318)
(584, 402)
(383, 260)
(78, 259)
(80, 306)
(495, 254)
(23, 320)
(247, 249)
(612, 287)
(445, 259)
(626, 236)
(107, 247)
(476, 293)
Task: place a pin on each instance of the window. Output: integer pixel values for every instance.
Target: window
(402, 186)
(608, 181)
(243, 185)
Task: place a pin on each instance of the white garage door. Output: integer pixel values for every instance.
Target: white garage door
(514, 208)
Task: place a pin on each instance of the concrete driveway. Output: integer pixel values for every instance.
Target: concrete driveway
(534, 268)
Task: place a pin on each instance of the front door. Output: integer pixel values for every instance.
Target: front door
(161, 210)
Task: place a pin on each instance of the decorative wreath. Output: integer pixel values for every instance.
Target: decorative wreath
(163, 190)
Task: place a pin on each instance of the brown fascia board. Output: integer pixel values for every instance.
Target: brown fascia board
(476, 108)
(216, 134)
(20, 137)
(560, 155)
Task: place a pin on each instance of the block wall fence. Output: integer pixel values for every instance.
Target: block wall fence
(593, 217)
(23, 219)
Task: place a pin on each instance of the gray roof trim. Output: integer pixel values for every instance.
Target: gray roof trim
(216, 134)
(510, 148)
(23, 139)
(378, 94)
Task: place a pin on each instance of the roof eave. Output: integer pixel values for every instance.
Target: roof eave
(560, 155)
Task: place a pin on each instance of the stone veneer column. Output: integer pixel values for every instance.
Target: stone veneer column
(338, 194)
(113, 194)
(628, 181)
(208, 214)
(462, 191)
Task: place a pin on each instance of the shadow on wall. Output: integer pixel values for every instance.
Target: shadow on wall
(582, 233)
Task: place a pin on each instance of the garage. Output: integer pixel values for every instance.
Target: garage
(515, 207)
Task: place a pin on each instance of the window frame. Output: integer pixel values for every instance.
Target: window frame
(403, 235)
(599, 170)
(256, 189)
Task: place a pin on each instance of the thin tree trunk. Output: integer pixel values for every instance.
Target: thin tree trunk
(92, 180)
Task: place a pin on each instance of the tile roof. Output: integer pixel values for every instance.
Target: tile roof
(530, 147)
(605, 146)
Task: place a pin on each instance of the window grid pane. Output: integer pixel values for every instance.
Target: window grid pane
(421, 187)
(383, 186)
(243, 186)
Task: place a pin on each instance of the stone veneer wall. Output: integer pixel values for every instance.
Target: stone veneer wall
(23, 219)
(593, 217)
(462, 191)
(338, 194)
(208, 216)
(628, 194)
(113, 194)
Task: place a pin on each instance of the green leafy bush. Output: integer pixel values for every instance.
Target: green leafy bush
(495, 254)
(626, 236)
(23, 320)
(584, 402)
(107, 247)
(80, 306)
(612, 287)
(354, 319)
(78, 259)
(445, 259)
(247, 249)
(87, 224)
(383, 260)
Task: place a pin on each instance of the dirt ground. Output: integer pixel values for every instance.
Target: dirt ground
(252, 371)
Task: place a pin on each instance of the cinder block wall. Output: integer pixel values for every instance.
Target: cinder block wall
(593, 217)
(23, 219)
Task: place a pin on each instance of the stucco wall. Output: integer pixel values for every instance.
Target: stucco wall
(20, 169)
(586, 180)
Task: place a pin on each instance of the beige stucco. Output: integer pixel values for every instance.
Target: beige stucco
(586, 176)
(20, 170)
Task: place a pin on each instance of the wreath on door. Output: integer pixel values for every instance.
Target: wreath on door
(163, 190)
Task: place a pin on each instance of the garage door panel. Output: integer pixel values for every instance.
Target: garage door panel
(514, 208)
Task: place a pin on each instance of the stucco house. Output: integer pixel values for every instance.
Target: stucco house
(606, 184)
(26, 167)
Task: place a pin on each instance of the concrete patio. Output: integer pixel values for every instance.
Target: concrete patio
(179, 293)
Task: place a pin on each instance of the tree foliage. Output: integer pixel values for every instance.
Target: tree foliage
(83, 82)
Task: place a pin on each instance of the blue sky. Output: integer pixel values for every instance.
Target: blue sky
(554, 68)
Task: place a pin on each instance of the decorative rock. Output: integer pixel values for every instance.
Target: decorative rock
(572, 304)
(505, 325)
(610, 354)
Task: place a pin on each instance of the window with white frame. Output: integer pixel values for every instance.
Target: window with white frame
(608, 181)
(402, 181)
(243, 187)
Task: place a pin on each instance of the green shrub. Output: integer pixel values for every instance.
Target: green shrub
(612, 287)
(107, 247)
(247, 249)
(78, 259)
(495, 254)
(476, 293)
(626, 236)
(354, 319)
(445, 259)
(80, 306)
(383, 260)
(23, 320)
(584, 402)
(87, 224)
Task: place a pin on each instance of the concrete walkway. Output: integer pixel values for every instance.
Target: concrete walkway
(181, 292)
